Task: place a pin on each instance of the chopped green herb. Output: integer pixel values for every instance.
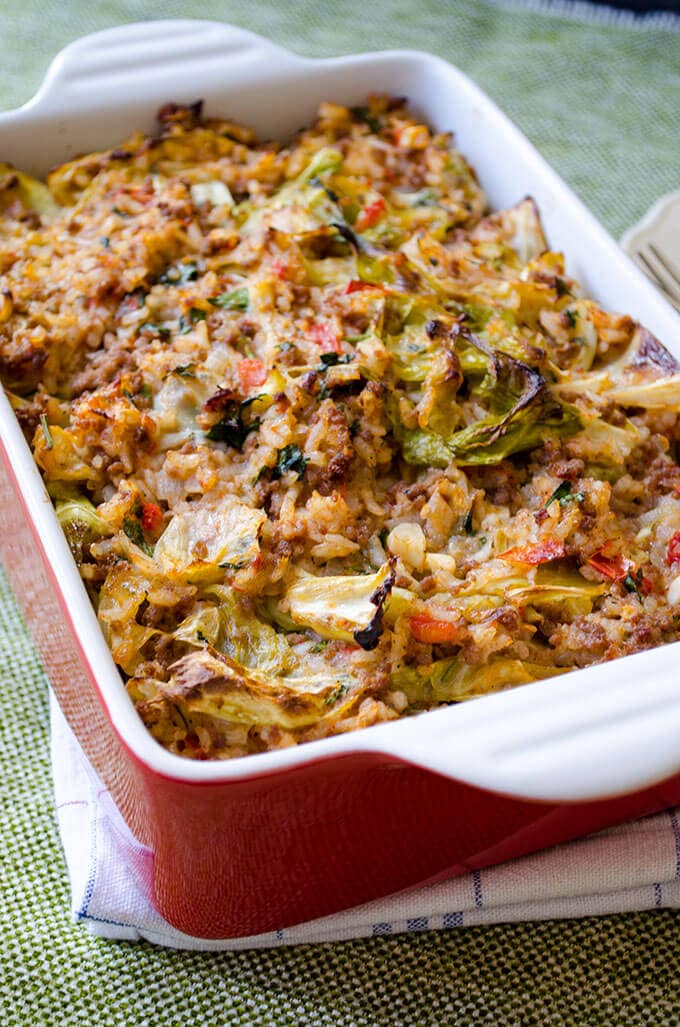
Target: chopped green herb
(233, 566)
(186, 322)
(561, 287)
(425, 198)
(632, 584)
(335, 695)
(133, 530)
(245, 403)
(570, 316)
(319, 647)
(237, 299)
(467, 523)
(200, 636)
(363, 114)
(47, 434)
(382, 535)
(289, 458)
(230, 428)
(180, 274)
(144, 391)
(354, 427)
(184, 371)
(120, 213)
(332, 360)
(159, 330)
(564, 495)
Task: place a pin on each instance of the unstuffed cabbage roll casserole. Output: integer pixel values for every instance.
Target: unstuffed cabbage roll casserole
(330, 442)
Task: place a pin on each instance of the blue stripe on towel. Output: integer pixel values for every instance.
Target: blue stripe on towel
(477, 887)
(676, 836)
(92, 873)
(418, 923)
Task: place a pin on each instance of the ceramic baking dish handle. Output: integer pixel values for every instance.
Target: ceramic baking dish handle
(118, 65)
(602, 731)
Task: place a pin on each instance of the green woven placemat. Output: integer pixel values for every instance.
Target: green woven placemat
(601, 103)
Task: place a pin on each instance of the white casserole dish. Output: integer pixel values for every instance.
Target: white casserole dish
(592, 734)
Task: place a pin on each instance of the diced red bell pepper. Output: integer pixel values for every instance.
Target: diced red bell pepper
(646, 585)
(615, 568)
(425, 628)
(251, 373)
(280, 268)
(152, 517)
(347, 648)
(370, 215)
(325, 335)
(673, 551)
(356, 285)
(541, 552)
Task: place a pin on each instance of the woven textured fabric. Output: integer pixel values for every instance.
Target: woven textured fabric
(600, 101)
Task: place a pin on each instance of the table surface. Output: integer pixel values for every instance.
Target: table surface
(599, 97)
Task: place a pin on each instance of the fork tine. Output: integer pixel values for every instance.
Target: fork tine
(673, 272)
(650, 270)
(671, 291)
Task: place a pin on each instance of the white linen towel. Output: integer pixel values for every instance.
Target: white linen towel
(635, 866)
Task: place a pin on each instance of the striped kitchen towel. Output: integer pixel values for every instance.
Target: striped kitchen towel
(635, 866)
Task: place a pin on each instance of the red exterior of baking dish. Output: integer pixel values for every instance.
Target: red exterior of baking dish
(240, 850)
(237, 858)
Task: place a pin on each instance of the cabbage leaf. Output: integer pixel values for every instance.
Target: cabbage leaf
(214, 685)
(209, 535)
(347, 607)
(245, 638)
(81, 524)
(453, 680)
(644, 375)
(522, 412)
(33, 194)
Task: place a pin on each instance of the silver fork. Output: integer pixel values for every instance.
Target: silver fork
(661, 271)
